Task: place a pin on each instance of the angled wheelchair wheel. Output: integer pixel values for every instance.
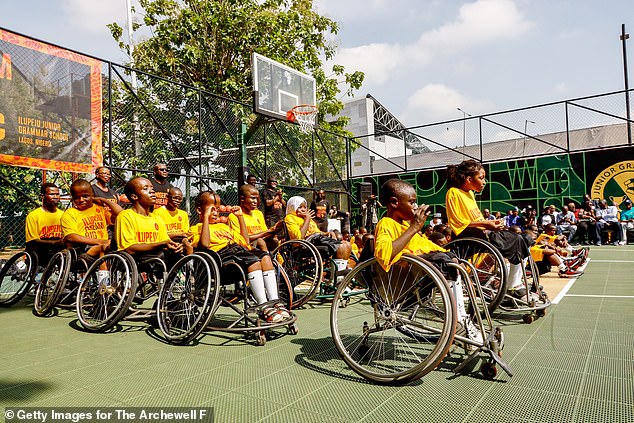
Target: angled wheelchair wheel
(106, 292)
(52, 283)
(189, 298)
(16, 276)
(304, 268)
(489, 264)
(401, 327)
(284, 287)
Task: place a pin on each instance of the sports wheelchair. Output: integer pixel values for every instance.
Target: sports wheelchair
(490, 268)
(312, 274)
(59, 282)
(204, 293)
(404, 322)
(112, 284)
(17, 275)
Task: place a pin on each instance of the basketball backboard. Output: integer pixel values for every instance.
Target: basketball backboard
(278, 88)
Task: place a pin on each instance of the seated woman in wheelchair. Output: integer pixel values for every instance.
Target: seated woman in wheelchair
(231, 244)
(140, 232)
(398, 233)
(84, 225)
(299, 225)
(43, 228)
(466, 220)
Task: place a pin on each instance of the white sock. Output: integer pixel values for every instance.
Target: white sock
(515, 276)
(342, 264)
(458, 294)
(256, 284)
(562, 267)
(270, 283)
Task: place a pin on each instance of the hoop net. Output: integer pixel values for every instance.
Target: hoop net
(304, 115)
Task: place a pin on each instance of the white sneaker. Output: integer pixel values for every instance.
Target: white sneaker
(622, 242)
(103, 277)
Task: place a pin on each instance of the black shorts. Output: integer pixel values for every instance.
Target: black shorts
(543, 266)
(326, 246)
(243, 257)
(511, 245)
(441, 261)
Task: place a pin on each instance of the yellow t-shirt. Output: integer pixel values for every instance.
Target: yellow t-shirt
(355, 248)
(220, 235)
(389, 230)
(254, 222)
(548, 238)
(294, 225)
(42, 224)
(134, 228)
(178, 223)
(90, 223)
(462, 209)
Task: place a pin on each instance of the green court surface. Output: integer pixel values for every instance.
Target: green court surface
(576, 364)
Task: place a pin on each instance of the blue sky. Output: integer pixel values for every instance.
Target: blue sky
(422, 58)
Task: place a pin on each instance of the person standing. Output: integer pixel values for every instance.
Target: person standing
(274, 203)
(160, 184)
(102, 190)
(320, 207)
(369, 213)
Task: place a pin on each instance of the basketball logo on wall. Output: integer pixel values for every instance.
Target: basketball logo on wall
(615, 183)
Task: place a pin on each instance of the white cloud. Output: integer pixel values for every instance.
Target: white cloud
(561, 88)
(438, 101)
(479, 23)
(93, 15)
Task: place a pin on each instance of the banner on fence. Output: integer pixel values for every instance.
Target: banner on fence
(50, 106)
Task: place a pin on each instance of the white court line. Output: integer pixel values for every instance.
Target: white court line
(601, 296)
(565, 289)
(563, 292)
(613, 261)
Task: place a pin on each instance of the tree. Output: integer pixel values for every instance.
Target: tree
(208, 44)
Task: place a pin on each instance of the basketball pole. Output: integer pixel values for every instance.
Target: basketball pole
(624, 38)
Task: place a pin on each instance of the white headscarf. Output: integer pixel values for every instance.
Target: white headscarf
(293, 203)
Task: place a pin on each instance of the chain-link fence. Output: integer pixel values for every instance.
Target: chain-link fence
(205, 140)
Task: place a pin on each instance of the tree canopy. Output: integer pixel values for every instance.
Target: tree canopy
(208, 44)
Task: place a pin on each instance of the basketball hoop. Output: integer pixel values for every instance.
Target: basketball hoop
(304, 115)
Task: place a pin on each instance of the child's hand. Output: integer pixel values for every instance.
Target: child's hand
(174, 246)
(310, 213)
(420, 215)
(497, 224)
(237, 210)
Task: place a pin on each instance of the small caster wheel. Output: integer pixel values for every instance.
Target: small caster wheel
(528, 318)
(488, 370)
(541, 312)
(260, 338)
(293, 329)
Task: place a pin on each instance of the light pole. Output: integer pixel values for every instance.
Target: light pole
(464, 129)
(526, 122)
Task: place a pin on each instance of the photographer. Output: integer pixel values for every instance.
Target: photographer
(369, 212)
(274, 203)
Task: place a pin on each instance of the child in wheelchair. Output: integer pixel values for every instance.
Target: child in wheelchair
(141, 233)
(398, 233)
(43, 228)
(84, 226)
(466, 220)
(231, 243)
(300, 225)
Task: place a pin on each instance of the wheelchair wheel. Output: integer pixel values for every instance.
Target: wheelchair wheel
(304, 268)
(52, 283)
(16, 276)
(489, 264)
(401, 327)
(189, 298)
(103, 299)
(284, 288)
